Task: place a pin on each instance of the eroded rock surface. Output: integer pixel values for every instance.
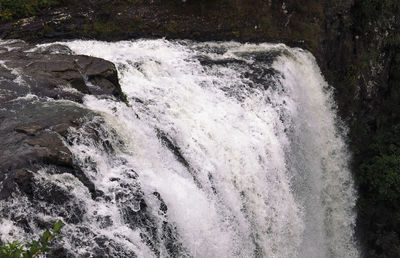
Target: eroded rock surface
(40, 92)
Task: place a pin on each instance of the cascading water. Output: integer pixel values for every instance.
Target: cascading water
(226, 150)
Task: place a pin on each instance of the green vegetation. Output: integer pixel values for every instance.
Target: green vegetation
(376, 124)
(381, 172)
(11, 9)
(32, 249)
(379, 202)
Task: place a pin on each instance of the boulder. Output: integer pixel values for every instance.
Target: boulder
(55, 73)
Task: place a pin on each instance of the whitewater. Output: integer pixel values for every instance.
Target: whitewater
(223, 149)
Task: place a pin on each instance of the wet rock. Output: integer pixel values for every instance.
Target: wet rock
(34, 118)
(49, 197)
(31, 130)
(173, 148)
(61, 252)
(15, 45)
(52, 194)
(102, 74)
(24, 180)
(51, 149)
(106, 246)
(171, 241)
(55, 73)
(55, 49)
(33, 135)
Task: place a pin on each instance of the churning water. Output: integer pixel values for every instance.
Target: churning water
(226, 150)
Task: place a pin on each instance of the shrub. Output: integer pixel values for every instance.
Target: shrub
(32, 249)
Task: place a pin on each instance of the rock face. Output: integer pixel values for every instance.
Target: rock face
(34, 121)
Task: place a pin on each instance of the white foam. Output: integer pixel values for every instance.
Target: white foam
(265, 170)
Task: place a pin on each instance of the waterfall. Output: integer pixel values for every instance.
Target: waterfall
(225, 150)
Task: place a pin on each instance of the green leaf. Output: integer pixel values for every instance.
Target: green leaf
(58, 226)
(32, 249)
(46, 236)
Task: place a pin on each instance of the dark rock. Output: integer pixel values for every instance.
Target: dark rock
(33, 129)
(32, 134)
(173, 148)
(46, 74)
(105, 246)
(102, 74)
(60, 252)
(51, 194)
(53, 72)
(55, 49)
(23, 179)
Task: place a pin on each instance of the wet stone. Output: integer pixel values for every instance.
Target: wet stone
(31, 130)
(34, 129)
(54, 72)
(40, 95)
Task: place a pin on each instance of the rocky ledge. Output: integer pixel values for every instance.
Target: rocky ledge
(40, 95)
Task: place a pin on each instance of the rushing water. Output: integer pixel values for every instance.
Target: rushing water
(226, 150)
